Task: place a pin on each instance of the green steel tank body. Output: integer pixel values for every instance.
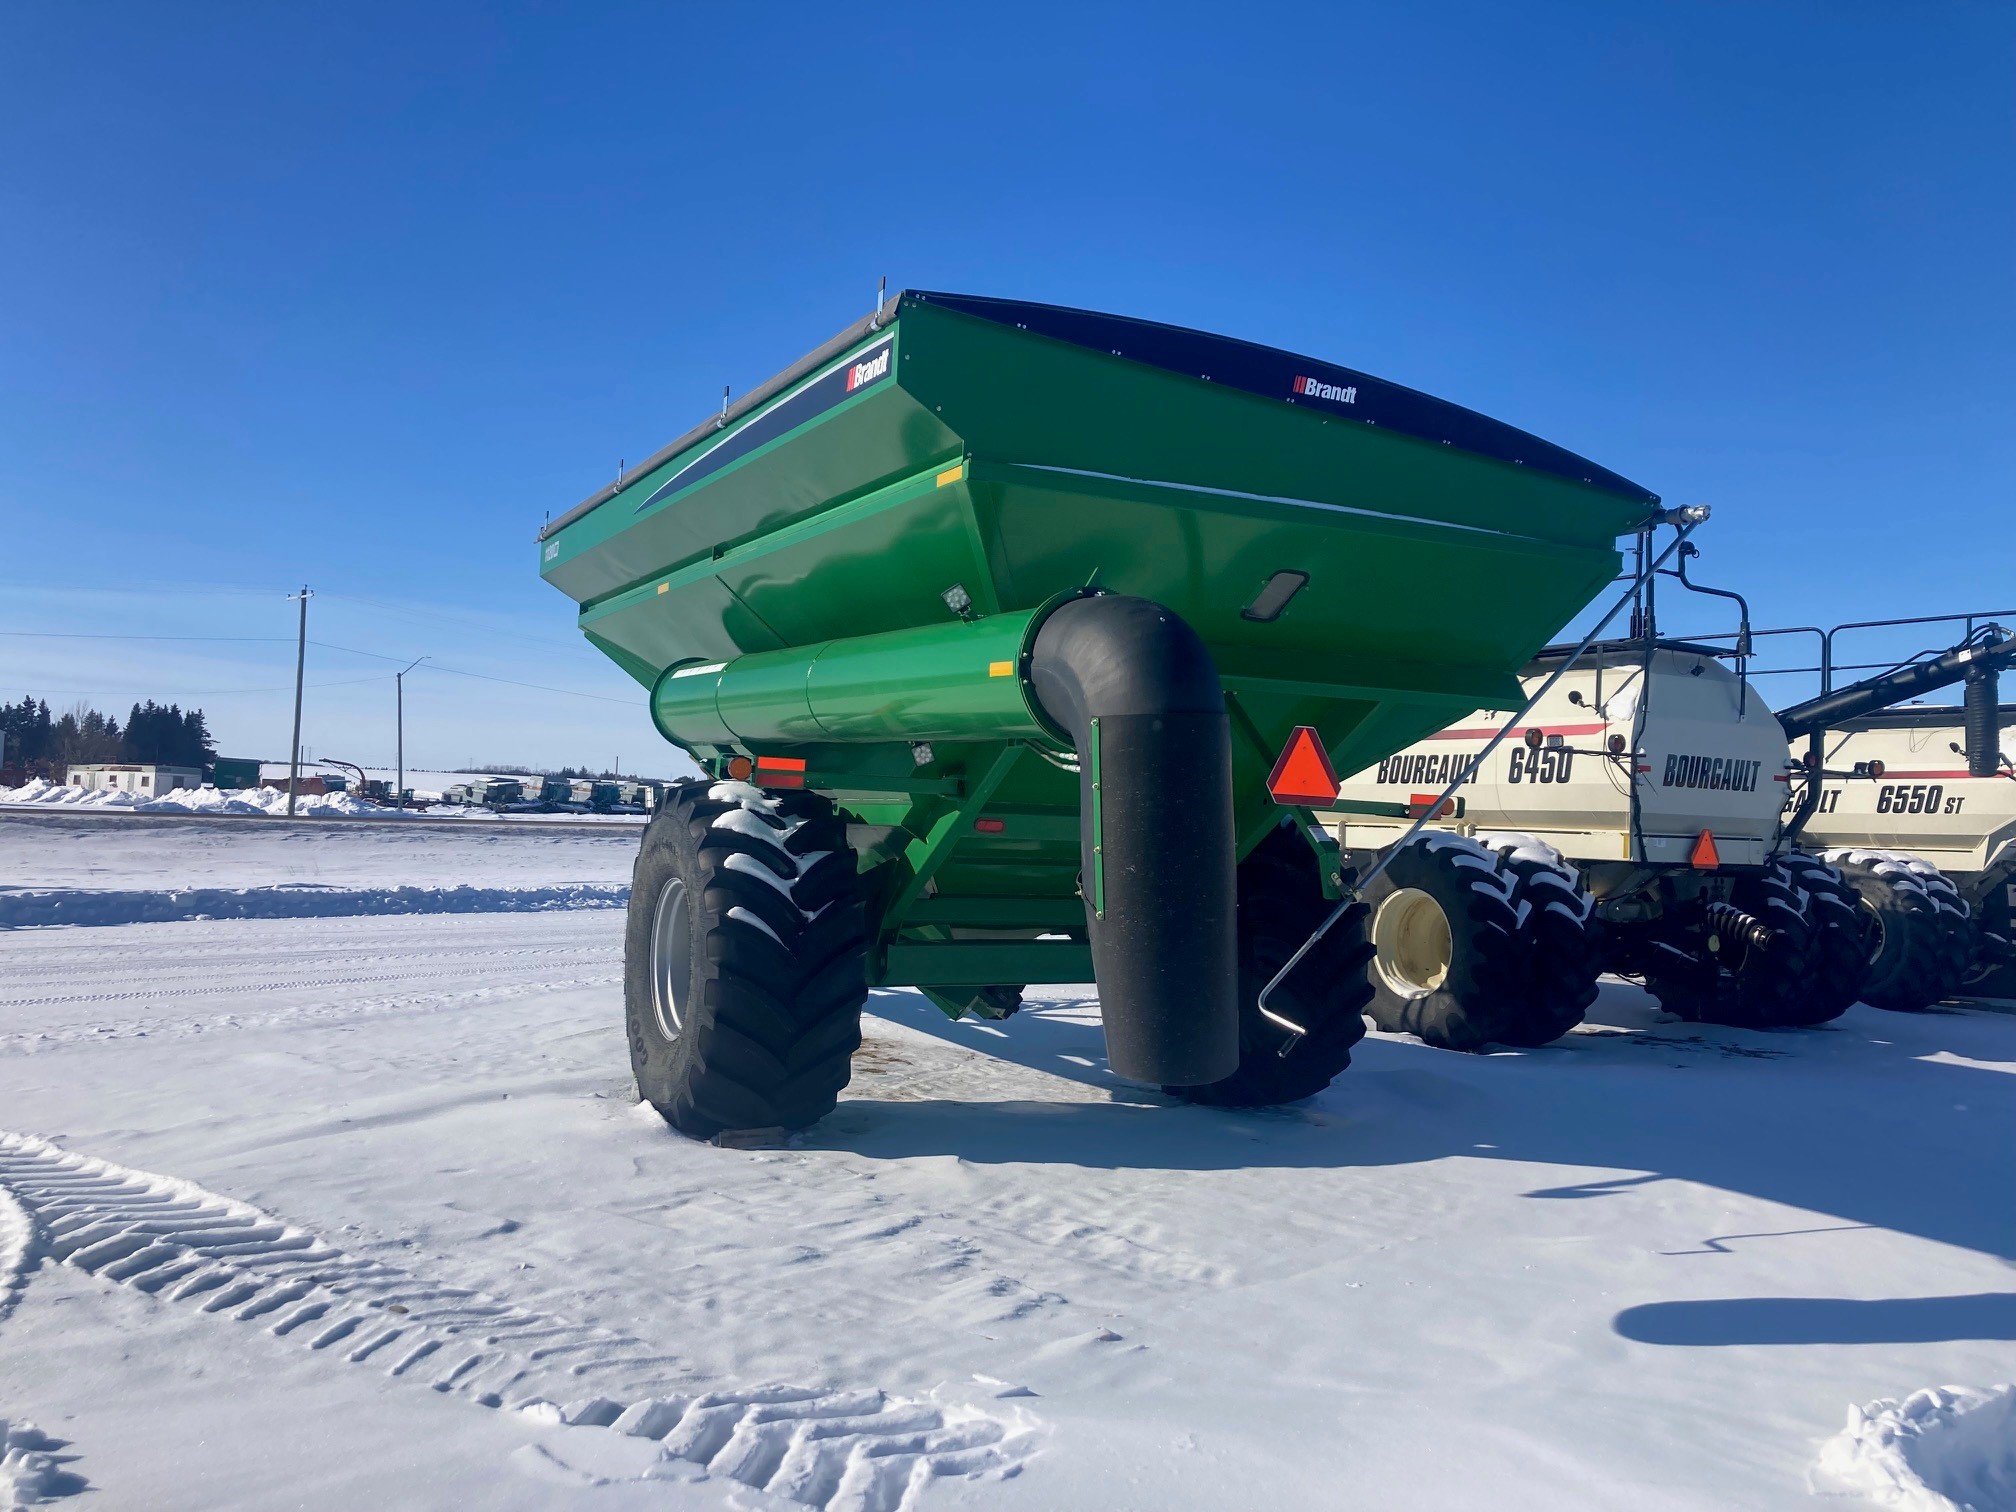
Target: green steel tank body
(839, 580)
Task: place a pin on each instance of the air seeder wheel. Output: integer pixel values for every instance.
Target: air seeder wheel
(1739, 986)
(1840, 938)
(1996, 951)
(1916, 956)
(744, 960)
(1450, 962)
(1566, 940)
(1280, 904)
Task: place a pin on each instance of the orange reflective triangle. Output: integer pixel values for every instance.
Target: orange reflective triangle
(1705, 856)
(1303, 775)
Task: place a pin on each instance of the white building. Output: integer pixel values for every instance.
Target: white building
(135, 777)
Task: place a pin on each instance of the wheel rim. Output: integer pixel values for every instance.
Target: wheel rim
(671, 958)
(1875, 936)
(1414, 947)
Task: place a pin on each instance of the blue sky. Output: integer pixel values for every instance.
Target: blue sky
(354, 296)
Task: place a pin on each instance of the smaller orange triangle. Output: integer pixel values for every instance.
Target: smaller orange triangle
(1705, 856)
(1303, 776)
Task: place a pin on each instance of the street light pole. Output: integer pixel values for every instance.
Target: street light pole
(400, 679)
(300, 663)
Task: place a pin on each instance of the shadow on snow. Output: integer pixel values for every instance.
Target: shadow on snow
(1853, 1120)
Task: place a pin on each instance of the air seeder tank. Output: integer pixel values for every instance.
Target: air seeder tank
(1007, 611)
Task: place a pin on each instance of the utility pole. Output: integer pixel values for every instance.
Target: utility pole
(300, 665)
(400, 679)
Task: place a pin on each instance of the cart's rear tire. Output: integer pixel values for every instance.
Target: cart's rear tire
(1280, 904)
(1840, 964)
(745, 959)
(1566, 942)
(1450, 961)
(1910, 938)
(1741, 986)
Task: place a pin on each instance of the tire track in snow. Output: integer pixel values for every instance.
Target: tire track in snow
(214, 989)
(832, 1450)
(44, 907)
(33, 975)
(57, 1037)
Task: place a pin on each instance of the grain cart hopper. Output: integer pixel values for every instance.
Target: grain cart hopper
(987, 622)
(1647, 823)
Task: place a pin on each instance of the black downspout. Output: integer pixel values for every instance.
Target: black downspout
(1135, 688)
(1980, 719)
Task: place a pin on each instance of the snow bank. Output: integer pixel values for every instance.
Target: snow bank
(28, 1473)
(1944, 1449)
(14, 1235)
(209, 800)
(38, 907)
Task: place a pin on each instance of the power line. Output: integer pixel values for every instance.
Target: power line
(353, 651)
(283, 639)
(153, 590)
(570, 692)
(191, 692)
(466, 621)
(78, 635)
(434, 666)
(260, 640)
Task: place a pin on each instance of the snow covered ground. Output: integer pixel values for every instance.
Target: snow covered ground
(142, 852)
(256, 803)
(238, 802)
(293, 1201)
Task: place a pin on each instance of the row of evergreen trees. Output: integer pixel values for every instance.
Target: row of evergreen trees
(162, 733)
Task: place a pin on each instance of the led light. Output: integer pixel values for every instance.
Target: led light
(1876, 769)
(739, 768)
(1616, 743)
(1535, 737)
(1273, 596)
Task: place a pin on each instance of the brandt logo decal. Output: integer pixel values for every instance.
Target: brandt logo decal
(1316, 388)
(864, 373)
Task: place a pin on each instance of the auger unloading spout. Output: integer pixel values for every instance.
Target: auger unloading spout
(1136, 690)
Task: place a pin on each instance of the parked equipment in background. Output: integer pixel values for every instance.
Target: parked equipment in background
(232, 773)
(1650, 822)
(1917, 806)
(356, 782)
(988, 622)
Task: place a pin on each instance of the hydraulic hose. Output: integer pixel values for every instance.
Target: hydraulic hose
(1992, 650)
(1136, 690)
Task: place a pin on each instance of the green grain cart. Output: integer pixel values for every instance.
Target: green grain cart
(990, 621)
